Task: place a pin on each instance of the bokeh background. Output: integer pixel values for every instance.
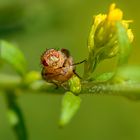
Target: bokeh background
(34, 25)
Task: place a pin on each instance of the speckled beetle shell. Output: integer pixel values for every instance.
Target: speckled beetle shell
(57, 66)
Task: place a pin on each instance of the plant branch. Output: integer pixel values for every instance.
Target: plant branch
(15, 116)
(131, 91)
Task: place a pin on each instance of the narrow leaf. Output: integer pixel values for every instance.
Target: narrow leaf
(103, 77)
(13, 56)
(70, 105)
(124, 45)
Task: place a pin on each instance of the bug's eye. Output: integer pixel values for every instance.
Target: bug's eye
(44, 63)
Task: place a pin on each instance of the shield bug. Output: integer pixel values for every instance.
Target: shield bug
(58, 66)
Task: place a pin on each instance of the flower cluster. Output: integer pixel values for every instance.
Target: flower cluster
(103, 36)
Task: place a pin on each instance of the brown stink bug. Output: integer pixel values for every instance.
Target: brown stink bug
(58, 66)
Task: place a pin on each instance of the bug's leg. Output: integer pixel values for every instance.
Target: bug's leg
(64, 85)
(44, 75)
(57, 86)
(74, 69)
(79, 63)
(76, 74)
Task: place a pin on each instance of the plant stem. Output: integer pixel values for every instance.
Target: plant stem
(131, 91)
(9, 82)
(15, 116)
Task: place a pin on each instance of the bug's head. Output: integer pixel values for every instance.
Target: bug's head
(53, 58)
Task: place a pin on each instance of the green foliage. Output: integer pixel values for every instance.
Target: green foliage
(70, 105)
(13, 56)
(104, 77)
(107, 39)
(124, 45)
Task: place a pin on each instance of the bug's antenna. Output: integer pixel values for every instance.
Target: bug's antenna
(79, 63)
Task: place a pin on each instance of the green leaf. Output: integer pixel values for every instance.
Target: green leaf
(70, 105)
(13, 56)
(124, 45)
(90, 63)
(103, 77)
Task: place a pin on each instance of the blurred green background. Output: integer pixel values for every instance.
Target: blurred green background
(35, 25)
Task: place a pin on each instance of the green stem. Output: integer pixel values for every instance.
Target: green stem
(15, 116)
(39, 86)
(131, 91)
(9, 82)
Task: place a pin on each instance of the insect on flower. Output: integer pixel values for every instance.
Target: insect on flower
(58, 66)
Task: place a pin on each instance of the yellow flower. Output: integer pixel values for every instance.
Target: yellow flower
(114, 14)
(103, 38)
(103, 35)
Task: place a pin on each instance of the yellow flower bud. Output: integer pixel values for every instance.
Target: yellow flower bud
(114, 14)
(103, 37)
(104, 32)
